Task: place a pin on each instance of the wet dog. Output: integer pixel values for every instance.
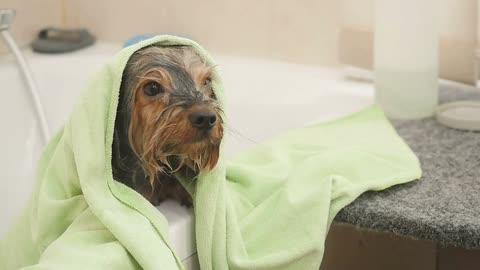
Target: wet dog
(168, 122)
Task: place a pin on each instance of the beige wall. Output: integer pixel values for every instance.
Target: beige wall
(303, 31)
(457, 41)
(32, 15)
(458, 19)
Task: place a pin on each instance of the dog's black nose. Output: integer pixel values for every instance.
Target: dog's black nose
(203, 120)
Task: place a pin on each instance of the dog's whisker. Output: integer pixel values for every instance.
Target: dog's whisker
(233, 131)
(191, 182)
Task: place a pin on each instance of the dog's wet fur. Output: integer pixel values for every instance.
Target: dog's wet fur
(168, 122)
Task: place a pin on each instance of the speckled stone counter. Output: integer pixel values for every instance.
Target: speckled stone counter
(444, 205)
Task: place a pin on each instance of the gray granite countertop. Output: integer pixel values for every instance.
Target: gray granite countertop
(444, 205)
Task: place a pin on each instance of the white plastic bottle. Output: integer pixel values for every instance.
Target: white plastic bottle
(406, 57)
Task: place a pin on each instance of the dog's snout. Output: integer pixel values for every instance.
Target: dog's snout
(203, 120)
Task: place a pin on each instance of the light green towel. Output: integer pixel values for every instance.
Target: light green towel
(270, 208)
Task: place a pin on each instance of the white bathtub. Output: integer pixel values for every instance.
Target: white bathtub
(264, 98)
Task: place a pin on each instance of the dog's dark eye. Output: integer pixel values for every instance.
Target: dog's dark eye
(152, 89)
